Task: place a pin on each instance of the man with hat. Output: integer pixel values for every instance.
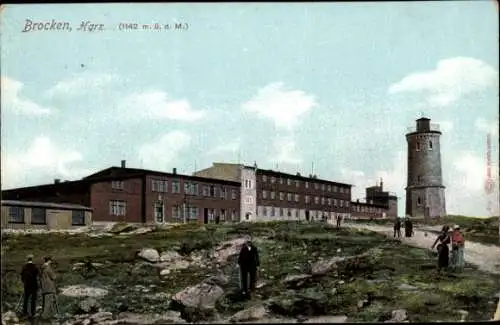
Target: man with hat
(248, 262)
(457, 249)
(29, 277)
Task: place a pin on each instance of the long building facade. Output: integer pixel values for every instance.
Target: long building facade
(141, 196)
(268, 195)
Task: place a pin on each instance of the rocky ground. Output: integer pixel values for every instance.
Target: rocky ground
(309, 273)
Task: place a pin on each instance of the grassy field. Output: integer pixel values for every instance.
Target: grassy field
(285, 249)
(482, 230)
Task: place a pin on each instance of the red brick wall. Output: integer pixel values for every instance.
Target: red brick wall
(102, 194)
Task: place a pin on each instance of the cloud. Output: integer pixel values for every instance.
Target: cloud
(12, 100)
(229, 147)
(283, 107)
(157, 104)
(41, 162)
(165, 150)
(487, 126)
(452, 79)
(444, 126)
(285, 151)
(80, 84)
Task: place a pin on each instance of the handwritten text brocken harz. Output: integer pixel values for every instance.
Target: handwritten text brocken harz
(88, 26)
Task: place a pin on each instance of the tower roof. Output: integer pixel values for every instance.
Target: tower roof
(424, 119)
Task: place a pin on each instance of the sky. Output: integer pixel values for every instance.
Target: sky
(328, 88)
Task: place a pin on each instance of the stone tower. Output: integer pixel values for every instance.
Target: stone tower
(424, 186)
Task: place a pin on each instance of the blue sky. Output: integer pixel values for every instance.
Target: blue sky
(282, 84)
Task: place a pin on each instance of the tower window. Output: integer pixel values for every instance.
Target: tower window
(430, 145)
(419, 178)
(419, 201)
(418, 146)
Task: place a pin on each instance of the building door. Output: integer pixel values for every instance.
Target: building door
(307, 215)
(159, 212)
(205, 215)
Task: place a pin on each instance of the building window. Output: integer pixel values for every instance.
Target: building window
(38, 216)
(248, 184)
(288, 182)
(322, 200)
(316, 186)
(273, 212)
(273, 195)
(193, 213)
(282, 212)
(419, 201)
(117, 185)
(430, 145)
(329, 201)
(341, 203)
(176, 212)
(297, 197)
(307, 184)
(176, 187)
(335, 188)
(78, 218)
(297, 183)
(281, 180)
(316, 200)
(307, 198)
(233, 215)
(273, 179)
(233, 194)
(249, 199)
(282, 196)
(418, 146)
(206, 190)
(212, 191)
(334, 202)
(347, 204)
(341, 189)
(322, 187)
(347, 190)
(158, 185)
(223, 192)
(264, 211)
(264, 194)
(193, 189)
(419, 178)
(264, 178)
(16, 215)
(117, 208)
(290, 197)
(329, 188)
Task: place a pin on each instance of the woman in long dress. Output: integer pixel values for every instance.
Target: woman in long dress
(443, 240)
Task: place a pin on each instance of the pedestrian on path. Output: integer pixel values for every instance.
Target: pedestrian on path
(457, 249)
(48, 286)
(443, 240)
(397, 227)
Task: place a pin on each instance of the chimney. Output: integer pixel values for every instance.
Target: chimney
(124, 163)
(174, 171)
(357, 200)
(57, 181)
(298, 174)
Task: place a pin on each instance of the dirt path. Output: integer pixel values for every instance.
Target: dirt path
(486, 257)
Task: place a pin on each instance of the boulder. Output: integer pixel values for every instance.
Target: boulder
(146, 319)
(250, 314)
(81, 290)
(170, 256)
(227, 249)
(199, 297)
(327, 319)
(323, 267)
(296, 281)
(407, 287)
(149, 254)
(121, 227)
(398, 316)
(88, 306)
(100, 317)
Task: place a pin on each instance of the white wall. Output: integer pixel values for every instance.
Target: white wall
(248, 201)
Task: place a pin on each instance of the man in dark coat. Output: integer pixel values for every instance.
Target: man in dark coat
(248, 262)
(397, 227)
(29, 277)
(408, 227)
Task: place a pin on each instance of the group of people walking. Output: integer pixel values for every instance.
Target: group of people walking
(39, 279)
(407, 224)
(457, 242)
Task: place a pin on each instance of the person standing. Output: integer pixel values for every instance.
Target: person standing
(248, 262)
(397, 227)
(339, 220)
(408, 227)
(48, 286)
(29, 277)
(443, 240)
(457, 249)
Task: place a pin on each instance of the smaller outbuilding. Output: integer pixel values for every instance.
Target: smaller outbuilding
(44, 215)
